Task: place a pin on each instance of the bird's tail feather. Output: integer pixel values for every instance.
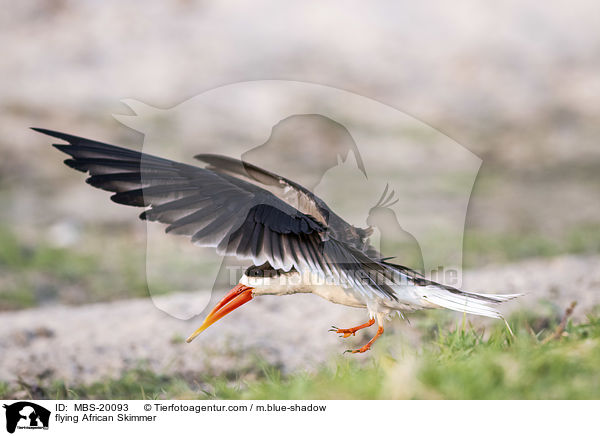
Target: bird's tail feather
(467, 302)
(501, 298)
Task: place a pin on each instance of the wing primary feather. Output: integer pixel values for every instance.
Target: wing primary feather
(182, 204)
(247, 230)
(292, 249)
(148, 196)
(257, 240)
(229, 244)
(212, 229)
(303, 250)
(196, 217)
(276, 248)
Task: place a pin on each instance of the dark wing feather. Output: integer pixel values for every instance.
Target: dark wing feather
(292, 193)
(216, 209)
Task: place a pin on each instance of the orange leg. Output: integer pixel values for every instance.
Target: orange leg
(352, 330)
(367, 346)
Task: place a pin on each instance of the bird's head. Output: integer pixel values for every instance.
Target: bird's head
(257, 280)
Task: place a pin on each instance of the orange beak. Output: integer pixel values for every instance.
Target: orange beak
(239, 295)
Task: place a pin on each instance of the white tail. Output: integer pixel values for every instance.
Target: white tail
(467, 302)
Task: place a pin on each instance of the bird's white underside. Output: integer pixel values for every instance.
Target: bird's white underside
(410, 297)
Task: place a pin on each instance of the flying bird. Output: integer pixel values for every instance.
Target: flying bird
(293, 240)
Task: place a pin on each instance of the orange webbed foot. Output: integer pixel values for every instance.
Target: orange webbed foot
(352, 330)
(367, 346)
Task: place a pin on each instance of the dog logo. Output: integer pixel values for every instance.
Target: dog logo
(26, 415)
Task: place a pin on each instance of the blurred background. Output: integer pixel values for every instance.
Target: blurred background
(516, 84)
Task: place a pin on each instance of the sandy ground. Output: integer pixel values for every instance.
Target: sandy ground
(86, 343)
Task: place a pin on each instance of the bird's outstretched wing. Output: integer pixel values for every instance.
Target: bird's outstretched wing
(217, 209)
(292, 193)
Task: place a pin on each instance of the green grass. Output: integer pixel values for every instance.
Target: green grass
(112, 266)
(32, 274)
(468, 367)
(454, 363)
(481, 248)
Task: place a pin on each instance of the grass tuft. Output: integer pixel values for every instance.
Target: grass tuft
(561, 360)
